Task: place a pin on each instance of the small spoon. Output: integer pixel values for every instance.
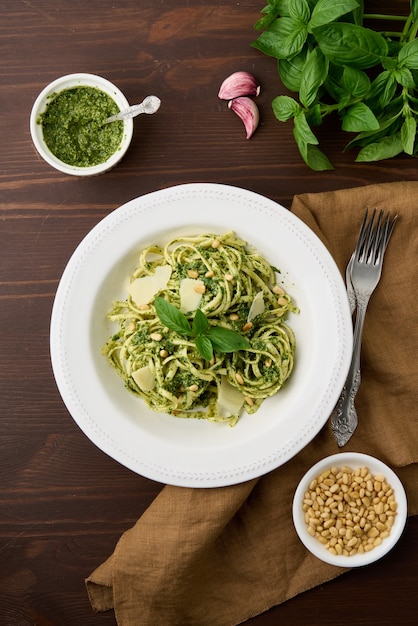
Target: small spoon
(149, 105)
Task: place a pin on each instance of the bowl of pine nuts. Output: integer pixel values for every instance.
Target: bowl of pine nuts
(349, 509)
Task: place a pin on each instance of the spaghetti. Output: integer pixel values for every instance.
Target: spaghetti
(235, 288)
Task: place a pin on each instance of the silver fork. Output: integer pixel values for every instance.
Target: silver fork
(364, 275)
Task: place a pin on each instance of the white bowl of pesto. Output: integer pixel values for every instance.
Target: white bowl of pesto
(67, 125)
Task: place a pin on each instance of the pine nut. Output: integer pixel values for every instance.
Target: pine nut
(234, 317)
(228, 277)
(278, 290)
(349, 512)
(199, 289)
(193, 387)
(239, 378)
(216, 243)
(163, 354)
(156, 336)
(209, 274)
(247, 326)
(192, 274)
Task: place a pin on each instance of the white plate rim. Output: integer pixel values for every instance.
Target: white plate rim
(63, 324)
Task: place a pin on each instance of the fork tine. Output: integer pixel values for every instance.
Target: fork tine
(363, 234)
(374, 239)
(390, 228)
(386, 233)
(366, 238)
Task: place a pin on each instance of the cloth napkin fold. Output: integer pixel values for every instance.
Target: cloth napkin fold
(216, 557)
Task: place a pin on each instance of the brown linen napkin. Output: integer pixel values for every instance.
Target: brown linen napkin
(216, 557)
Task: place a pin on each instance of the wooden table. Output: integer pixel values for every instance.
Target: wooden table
(64, 503)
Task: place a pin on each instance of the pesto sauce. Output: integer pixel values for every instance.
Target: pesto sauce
(74, 130)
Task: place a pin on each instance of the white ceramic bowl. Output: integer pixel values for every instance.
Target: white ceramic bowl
(353, 460)
(67, 82)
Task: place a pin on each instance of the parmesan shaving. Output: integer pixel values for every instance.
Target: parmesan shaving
(189, 298)
(142, 290)
(230, 399)
(257, 306)
(144, 378)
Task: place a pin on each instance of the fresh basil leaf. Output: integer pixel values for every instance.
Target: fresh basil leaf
(404, 77)
(300, 10)
(302, 146)
(384, 149)
(356, 82)
(389, 62)
(204, 347)
(285, 107)
(200, 323)
(326, 11)
(349, 44)
(303, 130)
(172, 317)
(265, 21)
(359, 118)
(226, 340)
(317, 160)
(290, 70)
(333, 87)
(314, 74)
(270, 13)
(388, 126)
(408, 134)
(382, 91)
(284, 38)
(282, 6)
(408, 55)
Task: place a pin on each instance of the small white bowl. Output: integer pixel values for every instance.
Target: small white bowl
(353, 460)
(67, 82)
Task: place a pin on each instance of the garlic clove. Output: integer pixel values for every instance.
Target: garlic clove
(247, 110)
(238, 84)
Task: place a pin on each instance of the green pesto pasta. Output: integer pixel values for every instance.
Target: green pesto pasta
(235, 288)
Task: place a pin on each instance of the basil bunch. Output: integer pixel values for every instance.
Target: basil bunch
(336, 64)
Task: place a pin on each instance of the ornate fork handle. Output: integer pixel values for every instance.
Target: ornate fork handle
(344, 417)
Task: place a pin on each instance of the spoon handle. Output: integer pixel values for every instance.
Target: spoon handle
(150, 105)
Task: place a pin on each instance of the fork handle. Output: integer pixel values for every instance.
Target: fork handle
(344, 418)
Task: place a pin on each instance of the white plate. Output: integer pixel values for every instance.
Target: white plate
(189, 452)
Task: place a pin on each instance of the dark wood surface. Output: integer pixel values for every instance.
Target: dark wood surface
(64, 503)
